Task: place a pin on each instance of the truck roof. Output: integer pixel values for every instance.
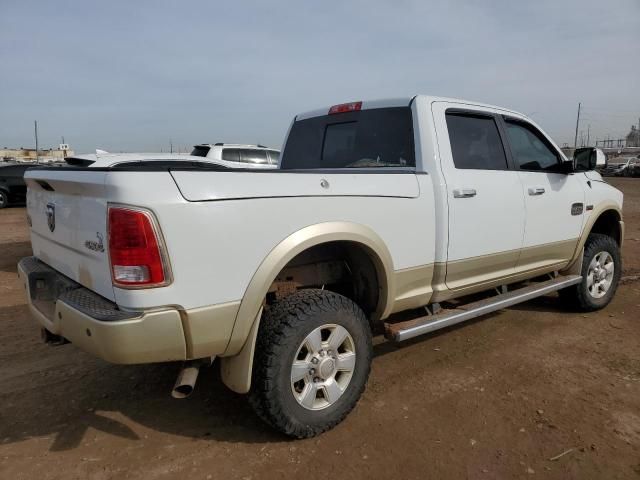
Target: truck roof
(403, 102)
(241, 145)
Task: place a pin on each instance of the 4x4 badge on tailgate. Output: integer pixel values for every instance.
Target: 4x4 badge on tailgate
(51, 216)
(95, 246)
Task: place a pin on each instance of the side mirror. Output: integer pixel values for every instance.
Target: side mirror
(585, 159)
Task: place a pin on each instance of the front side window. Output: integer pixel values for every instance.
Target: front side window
(231, 154)
(371, 138)
(529, 148)
(475, 142)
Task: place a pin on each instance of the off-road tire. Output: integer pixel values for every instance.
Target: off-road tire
(4, 199)
(282, 329)
(578, 297)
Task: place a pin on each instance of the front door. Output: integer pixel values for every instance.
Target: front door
(554, 200)
(486, 207)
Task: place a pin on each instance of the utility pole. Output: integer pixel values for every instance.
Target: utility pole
(35, 123)
(575, 140)
(171, 145)
(588, 132)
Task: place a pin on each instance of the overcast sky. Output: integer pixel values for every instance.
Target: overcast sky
(130, 75)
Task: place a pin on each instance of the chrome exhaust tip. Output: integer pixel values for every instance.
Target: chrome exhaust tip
(52, 339)
(186, 381)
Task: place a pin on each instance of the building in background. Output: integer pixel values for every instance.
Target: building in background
(29, 155)
(633, 137)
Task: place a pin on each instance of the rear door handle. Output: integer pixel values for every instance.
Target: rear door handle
(536, 190)
(464, 193)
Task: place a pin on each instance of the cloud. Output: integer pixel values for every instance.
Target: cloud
(130, 75)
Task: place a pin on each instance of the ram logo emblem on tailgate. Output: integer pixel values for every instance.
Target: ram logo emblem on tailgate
(51, 216)
(95, 246)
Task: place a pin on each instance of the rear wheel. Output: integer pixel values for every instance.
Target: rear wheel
(312, 361)
(4, 200)
(601, 270)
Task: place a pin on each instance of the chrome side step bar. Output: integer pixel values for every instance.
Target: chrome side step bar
(401, 331)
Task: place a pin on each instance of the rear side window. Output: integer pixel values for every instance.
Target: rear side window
(200, 151)
(274, 156)
(529, 148)
(253, 156)
(231, 154)
(374, 138)
(475, 142)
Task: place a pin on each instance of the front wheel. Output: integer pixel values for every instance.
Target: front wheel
(601, 271)
(4, 199)
(312, 361)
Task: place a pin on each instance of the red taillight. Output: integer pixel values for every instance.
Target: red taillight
(135, 249)
(345, 107)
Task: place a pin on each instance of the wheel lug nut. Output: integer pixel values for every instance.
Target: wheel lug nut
(312, 371)
(316, 380)
(314, 360)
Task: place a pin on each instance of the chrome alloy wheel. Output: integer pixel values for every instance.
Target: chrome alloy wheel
(600, 274)
(323, 366)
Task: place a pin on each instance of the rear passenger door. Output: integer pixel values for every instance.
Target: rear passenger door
(554, 200)
(486, 207)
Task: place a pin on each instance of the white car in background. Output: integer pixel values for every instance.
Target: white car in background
(252, 160)
(622, 167)
(238, 154)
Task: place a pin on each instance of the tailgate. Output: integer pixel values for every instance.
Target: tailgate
(68, 212)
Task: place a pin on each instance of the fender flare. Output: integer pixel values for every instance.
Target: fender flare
(237, 360)
(596, 213)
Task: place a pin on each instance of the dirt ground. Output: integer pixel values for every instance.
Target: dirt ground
(495, 398)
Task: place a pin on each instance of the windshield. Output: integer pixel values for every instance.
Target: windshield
(374, 138)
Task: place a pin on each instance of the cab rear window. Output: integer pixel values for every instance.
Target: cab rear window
(373, 138)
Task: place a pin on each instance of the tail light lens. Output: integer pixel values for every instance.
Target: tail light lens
(136, 250)
(346, 107)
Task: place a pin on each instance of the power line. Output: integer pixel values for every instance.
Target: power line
(35, 124)
(575, 140)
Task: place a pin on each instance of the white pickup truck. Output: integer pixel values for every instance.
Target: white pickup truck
(441, 210)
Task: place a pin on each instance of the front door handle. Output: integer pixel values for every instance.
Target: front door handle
(464, 193)
(536, 190)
